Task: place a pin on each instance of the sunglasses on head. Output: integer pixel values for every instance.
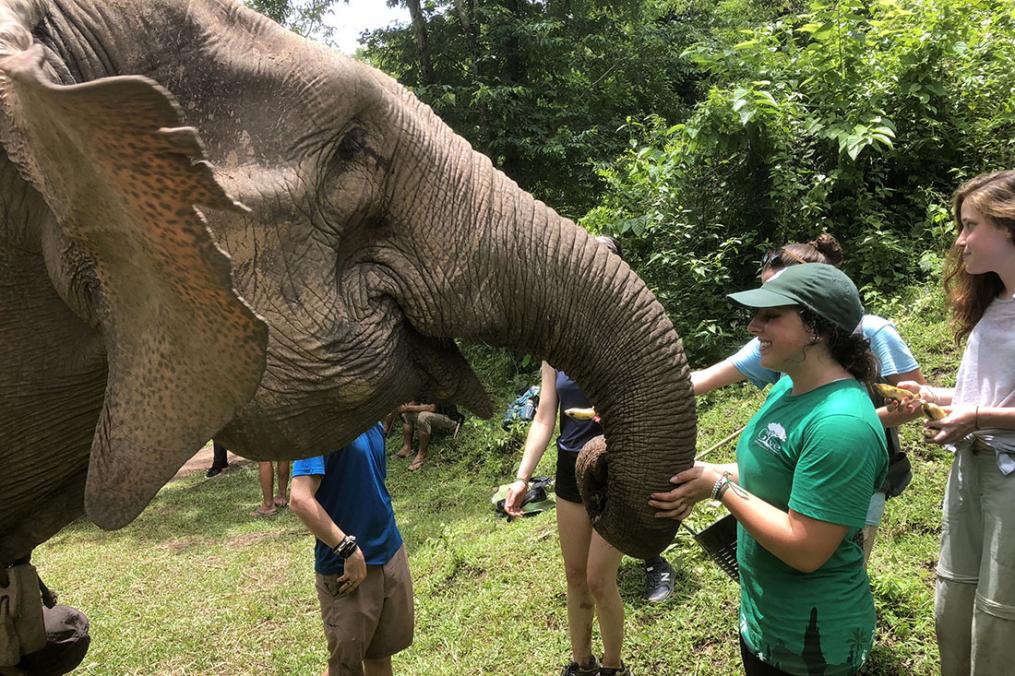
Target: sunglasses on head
(780, 258)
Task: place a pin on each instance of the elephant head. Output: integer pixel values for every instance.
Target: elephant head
(212, 226)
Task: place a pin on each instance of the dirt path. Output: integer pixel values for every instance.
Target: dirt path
(202, 461)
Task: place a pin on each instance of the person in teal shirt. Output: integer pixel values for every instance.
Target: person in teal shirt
(807, 465)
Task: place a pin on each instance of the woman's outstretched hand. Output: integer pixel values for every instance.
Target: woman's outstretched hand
(693, 486)
(958, 424)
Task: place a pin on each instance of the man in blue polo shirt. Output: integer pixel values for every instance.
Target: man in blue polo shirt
(363, 580)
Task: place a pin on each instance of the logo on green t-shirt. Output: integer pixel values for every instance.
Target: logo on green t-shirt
(772, 437)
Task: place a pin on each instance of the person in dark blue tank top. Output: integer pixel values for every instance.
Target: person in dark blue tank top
(574, 434)
(590, 562)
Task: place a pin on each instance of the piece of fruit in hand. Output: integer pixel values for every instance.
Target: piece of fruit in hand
(932, 411)
(892, 392)
(581, 413)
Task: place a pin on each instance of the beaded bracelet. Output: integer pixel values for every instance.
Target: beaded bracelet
(725, 487)
(721, 485)
(718, 484)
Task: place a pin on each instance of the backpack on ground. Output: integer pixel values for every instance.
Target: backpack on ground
(537, 499)
(523, 408)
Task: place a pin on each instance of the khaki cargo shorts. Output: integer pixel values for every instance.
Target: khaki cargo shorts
(375, 620)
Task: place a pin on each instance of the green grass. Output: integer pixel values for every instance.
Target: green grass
(196, 586)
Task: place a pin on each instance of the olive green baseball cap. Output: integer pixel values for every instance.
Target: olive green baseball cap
(821, 288)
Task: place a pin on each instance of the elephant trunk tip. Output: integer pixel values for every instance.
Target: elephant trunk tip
(591, 472)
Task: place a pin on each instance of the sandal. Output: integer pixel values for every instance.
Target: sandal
(575, 669)
(264, 512)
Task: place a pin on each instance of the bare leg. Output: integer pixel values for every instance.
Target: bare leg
(574, 531)
(282, 473)
(266, 477)
(603, 562)
(424, 446)
(406, 448)
(377, 667)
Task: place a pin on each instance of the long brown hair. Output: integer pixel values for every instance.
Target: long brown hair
(993, 195)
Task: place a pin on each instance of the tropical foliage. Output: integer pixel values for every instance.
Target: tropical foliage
(543, 86)
(306, 17)
(855, 117)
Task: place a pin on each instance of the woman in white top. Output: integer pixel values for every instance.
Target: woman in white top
(975, 602)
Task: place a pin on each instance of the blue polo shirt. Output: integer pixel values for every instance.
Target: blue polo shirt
(353, 494)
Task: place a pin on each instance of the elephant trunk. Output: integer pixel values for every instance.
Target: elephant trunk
(535, 282)
(590, 315)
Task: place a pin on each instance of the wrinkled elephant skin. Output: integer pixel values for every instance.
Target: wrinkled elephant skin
(211, 226)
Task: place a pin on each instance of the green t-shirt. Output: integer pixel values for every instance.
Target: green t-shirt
(822, 454)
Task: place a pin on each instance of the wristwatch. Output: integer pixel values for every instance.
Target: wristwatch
(346, 547)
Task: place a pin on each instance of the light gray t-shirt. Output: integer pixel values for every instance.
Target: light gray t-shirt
(987, 373)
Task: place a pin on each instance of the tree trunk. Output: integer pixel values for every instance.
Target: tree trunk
(511, 162)
(426, 75)
(467, 16)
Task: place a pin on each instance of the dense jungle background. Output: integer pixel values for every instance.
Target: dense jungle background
(700, 133)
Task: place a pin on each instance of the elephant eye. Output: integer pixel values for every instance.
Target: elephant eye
(352, 143)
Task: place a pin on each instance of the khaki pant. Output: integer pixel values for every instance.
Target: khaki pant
(431, 422)
(975, 604)
(375, 620)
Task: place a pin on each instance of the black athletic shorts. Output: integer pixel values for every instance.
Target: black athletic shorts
(566, 486)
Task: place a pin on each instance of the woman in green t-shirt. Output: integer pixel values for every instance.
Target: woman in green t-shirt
(807, 465)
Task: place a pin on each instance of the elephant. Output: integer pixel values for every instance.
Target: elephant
(214, 227)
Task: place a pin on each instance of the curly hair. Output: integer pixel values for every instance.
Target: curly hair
(993, 195)
(851, 350)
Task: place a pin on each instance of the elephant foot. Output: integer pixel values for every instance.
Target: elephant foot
(67, 642)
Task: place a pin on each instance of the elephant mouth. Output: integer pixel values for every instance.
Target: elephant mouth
(442, 370)
(318, 393)
(445, 374)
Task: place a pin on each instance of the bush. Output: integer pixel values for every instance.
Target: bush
(858, 118)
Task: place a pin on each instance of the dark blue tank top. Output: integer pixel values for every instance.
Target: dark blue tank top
(574, 434)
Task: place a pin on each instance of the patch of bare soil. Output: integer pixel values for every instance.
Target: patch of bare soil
(202, 461)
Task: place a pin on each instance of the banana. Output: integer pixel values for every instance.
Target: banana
(932, 411)
(892, 392)
(581, 413)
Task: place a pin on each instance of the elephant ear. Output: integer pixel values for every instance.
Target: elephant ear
(123, 180)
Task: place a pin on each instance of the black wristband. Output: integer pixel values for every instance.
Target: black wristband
(347, 547)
